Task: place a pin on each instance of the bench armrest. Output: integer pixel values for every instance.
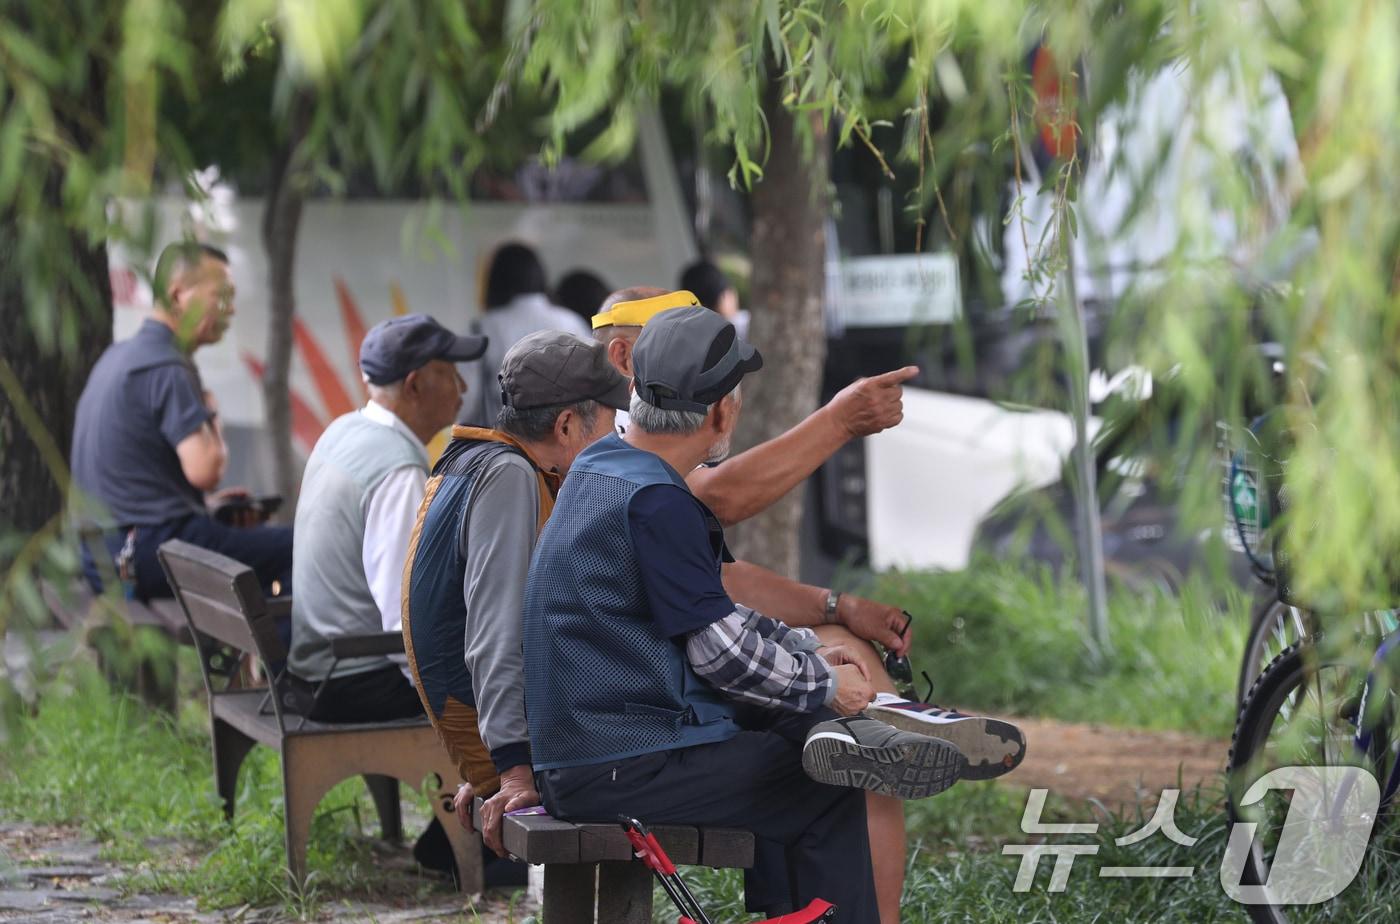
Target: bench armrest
(361, 646)
(279, 607)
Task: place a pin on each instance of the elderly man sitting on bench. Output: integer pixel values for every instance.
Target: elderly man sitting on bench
(650, 692)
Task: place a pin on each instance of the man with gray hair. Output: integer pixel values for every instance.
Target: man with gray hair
(359, 501)
(465, 578)
(650, 692)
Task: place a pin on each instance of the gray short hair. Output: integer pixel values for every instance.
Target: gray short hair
(389, 391)
(662, 422)
(537, 423)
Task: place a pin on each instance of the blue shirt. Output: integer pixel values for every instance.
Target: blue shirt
(680, 556)
(141, 400)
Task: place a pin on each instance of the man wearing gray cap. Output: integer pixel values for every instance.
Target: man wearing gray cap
(650, 692)
(465, 578)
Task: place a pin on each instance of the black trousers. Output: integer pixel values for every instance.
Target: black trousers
(812, 840)
(370, 696)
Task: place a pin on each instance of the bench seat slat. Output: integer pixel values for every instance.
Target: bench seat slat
(597, 842)
(540, 839)
(726, 848)
(241, 709)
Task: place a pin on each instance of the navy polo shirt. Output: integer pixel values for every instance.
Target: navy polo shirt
(141, 400)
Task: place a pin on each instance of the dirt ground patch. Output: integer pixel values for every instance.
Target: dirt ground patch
(55, 875)
(1116, 766)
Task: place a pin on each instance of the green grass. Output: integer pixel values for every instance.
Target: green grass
(946, 882)
(1007, 636)
(135, 780)
(1000, 636)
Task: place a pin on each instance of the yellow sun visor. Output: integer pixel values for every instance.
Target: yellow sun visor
(638, 313)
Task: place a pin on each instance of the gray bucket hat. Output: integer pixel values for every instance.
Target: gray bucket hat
(552, 367)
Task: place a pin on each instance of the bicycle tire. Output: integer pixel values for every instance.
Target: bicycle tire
(1295, 666)
(1272, 622)
(1252, 726)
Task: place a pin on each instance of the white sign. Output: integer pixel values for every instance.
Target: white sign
(898, 290)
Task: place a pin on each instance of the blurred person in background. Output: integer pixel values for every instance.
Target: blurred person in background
(716, 292)
(148, 446)
(581, 292)
(517, 305)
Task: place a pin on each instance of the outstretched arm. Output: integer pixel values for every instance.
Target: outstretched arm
(752, 481)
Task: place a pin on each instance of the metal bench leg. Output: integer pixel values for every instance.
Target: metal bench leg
(385, 792)
(570, 891)
(230, 747)
(624, 893)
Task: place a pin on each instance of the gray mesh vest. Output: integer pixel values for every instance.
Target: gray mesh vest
(332, 595)
(601, 683)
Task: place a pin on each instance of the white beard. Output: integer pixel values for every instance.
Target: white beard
(719, 451)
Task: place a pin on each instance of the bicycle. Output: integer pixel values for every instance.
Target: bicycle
(1312, 707)
(1248, 485)
(1317, 704)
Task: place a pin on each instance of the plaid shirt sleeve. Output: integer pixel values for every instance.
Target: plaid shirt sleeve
(759, 660)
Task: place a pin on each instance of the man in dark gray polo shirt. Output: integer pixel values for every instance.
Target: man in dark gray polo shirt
(147, 444)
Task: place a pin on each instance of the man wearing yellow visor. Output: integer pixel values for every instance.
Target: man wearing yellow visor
(750, 482)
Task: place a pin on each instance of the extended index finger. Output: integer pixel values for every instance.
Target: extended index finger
(895, 377)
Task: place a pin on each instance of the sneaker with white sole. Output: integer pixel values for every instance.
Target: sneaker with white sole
(860, 752)
(992, 747)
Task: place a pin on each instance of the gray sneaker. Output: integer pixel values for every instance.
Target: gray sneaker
(993, 748)
(863, 753)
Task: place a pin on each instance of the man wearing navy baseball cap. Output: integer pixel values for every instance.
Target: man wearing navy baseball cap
(359, 499)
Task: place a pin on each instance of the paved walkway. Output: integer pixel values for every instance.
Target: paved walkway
(51, 875)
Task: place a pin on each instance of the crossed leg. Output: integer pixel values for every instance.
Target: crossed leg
(884, 814)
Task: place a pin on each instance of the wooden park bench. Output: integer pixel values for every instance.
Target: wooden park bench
(75, 607)
(589, 869)
(228, 616)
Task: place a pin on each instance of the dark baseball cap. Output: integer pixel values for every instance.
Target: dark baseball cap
(688, 358)
(394, 348)
(552, 367)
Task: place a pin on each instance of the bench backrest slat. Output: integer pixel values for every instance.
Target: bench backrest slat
(221, 598)
(214, 618)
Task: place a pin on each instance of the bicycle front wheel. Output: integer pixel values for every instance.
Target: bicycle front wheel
(1303, 710)
(1274, 627)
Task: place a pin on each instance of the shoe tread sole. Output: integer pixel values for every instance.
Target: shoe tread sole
(908, 771)
(993, 748)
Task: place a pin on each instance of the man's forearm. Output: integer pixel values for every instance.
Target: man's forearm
(733, 656)
(773, 595)
(749, 483)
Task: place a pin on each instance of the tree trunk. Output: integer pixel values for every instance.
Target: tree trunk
(39, 386)
(790, 208)
(281, 221)
(41, 376)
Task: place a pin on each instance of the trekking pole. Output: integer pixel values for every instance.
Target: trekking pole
(647, 849)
